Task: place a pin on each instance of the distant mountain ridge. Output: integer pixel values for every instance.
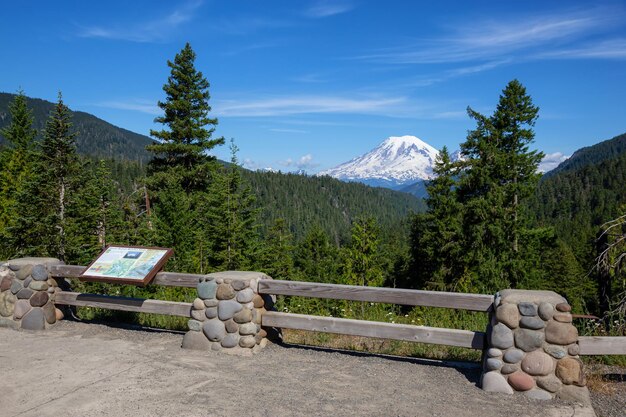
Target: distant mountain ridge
(398, 161)
(95, 137)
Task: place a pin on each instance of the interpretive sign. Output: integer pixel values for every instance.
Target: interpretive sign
(127, 265)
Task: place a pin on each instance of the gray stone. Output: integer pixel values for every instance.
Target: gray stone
(34, 320)
(14, 267)
(245, 296)
(225, 292)
(211, 312)
(49, 313)
(21, 308)
(7, 303)
(501, 336)
(39, 273)
(50, 290)
(211, 302)
(24, 293)
(575, 394)
(533, 323)
(573, 349)
(214, 330)
(537, 363)
(23, 272)
(227, 309)
(194, 325)
(561, 333)
(527, 309)
(528, 340)
(230, 340)
(16, 286)
(19, 262)
(557, 352)
(538, 394)
(243, 316)
(231, 326)
(39, 285)
(8, 323)
(546, 310)
(509, 368)
(549, 383)
(239, 284)
(530, 296)
(494, 382)
(39, 299)
(494, 353)
(198, 315)
(198, 304)
(497, 300)
(195, 340)
(27, 282)
(216, 346)
(508, 314)
(493, 364)
(247, 328)
(247, 342)
(207, 289)
(513, 355)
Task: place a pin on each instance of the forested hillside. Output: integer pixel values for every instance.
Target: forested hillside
(304, 202)
(94, 136)
(595, 154)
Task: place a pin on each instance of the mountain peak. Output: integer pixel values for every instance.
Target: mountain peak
(397, 161)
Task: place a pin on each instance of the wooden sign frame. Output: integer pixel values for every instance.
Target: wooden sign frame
(127, 261)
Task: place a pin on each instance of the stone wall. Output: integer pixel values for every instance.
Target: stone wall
(27, 294)
(227, 313)
(533, 347)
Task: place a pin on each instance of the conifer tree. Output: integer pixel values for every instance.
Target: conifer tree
(183, 146)
(499, 174)
(17, 161)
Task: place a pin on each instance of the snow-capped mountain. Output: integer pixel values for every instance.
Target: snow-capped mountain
(398, 161)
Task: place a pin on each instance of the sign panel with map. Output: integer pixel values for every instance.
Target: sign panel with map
(127, 265)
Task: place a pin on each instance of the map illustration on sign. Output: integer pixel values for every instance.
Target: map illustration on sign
(127, 264)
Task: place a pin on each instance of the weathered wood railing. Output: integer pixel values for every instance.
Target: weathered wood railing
(406, 332)
(453, 337)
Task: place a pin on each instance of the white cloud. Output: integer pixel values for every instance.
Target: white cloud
(154, 30)
(551, 161)
(290, 105)
(499, 41)
(280, 130)
(326, 8)
(139, 105)
(610, 49)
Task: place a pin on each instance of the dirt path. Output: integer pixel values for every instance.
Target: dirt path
(79, 369)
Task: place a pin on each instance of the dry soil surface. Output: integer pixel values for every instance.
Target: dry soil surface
(79, 369)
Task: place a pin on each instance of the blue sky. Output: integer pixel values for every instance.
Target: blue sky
(310, 84)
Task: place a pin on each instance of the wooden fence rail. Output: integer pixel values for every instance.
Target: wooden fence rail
(138, 305)
(433, 335)
(602, 345)
(462, 301)
(167, 279)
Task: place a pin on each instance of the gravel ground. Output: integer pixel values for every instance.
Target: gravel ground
(79, 369)
(608, 390)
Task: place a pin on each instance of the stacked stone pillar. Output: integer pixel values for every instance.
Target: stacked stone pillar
(27, 294)
(533, 347)
(227, 313)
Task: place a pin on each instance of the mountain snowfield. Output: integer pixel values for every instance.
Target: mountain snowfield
(405, 163)
(398, 161)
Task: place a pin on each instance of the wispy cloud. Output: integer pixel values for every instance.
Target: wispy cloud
(155, 30)
(288, 130)
(138, 105)
(245, 25)
(291, 105)
(499, 42)
(610, 49)
(325, 8)
(551, 161)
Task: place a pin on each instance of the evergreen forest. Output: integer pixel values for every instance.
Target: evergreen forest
(71, 184)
